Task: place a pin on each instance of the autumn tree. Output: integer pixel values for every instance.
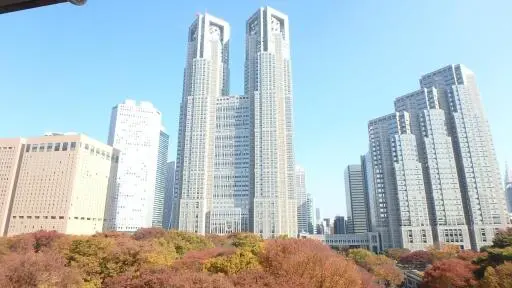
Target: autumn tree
(162, 278)
(396, 253)
(308, 263)
(247, 241)
(37, 270)
(503, 239)
(232, 264)
(450, 273)
(419, 259)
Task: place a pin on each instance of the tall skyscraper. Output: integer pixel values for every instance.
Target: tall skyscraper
(206, 79)
(161, 178)
(435, 154)
(235, 167)
(56, 182)
(231, 190)
(135, 131)
(169, 195)
(367, 170)
(302, 200)
(357, 210)
(475, 156)
(269, 86)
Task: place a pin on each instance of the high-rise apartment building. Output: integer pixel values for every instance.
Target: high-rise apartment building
(475, 157)
(231, 201)
(169, 196)
(303, 211)
(357, 211)
(268, 83)
(57, 182)
(206, 79)
(135, 130)
(435, 154)
(161, 179)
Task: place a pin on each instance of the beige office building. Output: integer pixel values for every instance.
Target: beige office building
(56, 182)
(10, 152)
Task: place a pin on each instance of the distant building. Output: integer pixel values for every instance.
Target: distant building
(339, 225)
(302, 200)
(368, 240)
(56, 182)
(161, 179)
(311, 216)
(508, 188)
(135, 130)
(357, 210)
(169, 196)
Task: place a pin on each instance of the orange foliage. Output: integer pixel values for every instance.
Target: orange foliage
(450, 273)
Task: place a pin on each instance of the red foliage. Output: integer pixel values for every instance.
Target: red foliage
(450, 273)
(34, 242)
(469, 255)
(168, 278)
(418, 259)
(37, 270)
(194, 260)
(148, 233)
(308, 263)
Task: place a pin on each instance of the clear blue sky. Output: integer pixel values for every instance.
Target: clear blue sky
(63, 67)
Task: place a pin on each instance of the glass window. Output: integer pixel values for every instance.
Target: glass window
(28, 148)
(34, 148)
(65, 146)
(73, 146)
(41, 147)
(49, 147)
(86, 146)
(57, 146)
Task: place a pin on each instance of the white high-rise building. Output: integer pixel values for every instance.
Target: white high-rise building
(428, 124)
(268, 84)
(135, 131)
(206, 79)
(303, 209)
(475, 157)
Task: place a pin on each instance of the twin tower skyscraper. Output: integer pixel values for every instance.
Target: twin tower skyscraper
(235, 161)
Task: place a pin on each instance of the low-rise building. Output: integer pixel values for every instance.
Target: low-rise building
(369, 240)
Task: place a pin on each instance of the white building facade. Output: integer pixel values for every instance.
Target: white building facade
(269, 85)
(444, 164)
(206, 79)
(135, 131)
